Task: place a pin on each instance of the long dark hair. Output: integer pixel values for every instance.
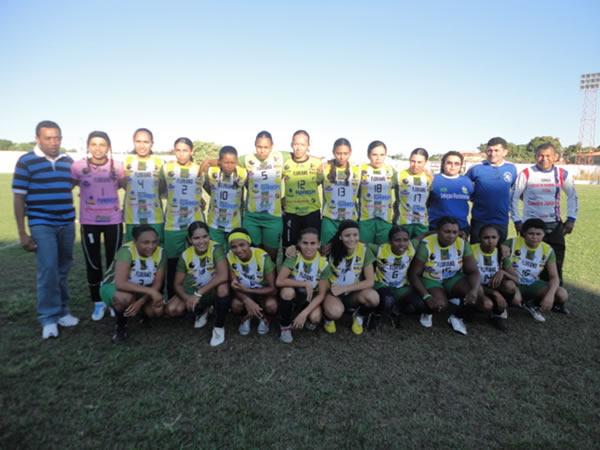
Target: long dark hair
(338, 249)
(332, 177)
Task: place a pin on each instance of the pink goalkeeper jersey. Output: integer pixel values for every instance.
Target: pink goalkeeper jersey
(98, 192)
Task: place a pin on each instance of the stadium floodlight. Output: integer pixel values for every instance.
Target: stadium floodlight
(589, 84)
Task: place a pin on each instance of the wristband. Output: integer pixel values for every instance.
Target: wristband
(426, 297)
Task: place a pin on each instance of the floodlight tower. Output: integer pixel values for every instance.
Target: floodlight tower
(590, 84)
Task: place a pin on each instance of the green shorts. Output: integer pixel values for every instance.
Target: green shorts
(264, 229)
(158, 227)
(532, 291)
(415, 229)
(446, 285)
(107, 292)
(374, 231)
(328, 229)
(219, 236)
(175, 243)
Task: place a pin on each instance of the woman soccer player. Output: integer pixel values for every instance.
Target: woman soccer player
(302, 175)
(201, 282)
(392, 260)
(352, 279)
(303, 280)
(450, 193)
(99, 178)
(252, 275)
(134, 280)
(225, 185)
(413, 190)
(378, 194)
(341, 182)
(181, 181)
(498, 279)
(142, 190)
(444, 267)
(530, 256)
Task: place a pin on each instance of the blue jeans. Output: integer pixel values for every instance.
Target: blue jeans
(54, 255)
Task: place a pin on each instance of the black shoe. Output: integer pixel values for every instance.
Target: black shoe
(120, 335)
(561, 309)
(372, 321)
(499, 323)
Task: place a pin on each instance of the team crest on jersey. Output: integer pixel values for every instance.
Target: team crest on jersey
(432, 256)
(464, 190)
(405, 181)
(171, 174)
(507, 176)
(517, 252)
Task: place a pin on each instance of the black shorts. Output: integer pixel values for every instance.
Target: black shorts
(293, 224)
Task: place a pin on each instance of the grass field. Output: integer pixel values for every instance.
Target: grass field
(535, 386)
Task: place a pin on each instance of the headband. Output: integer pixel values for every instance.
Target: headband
(239, 235)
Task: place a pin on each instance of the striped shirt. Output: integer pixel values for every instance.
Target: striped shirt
(46, 185)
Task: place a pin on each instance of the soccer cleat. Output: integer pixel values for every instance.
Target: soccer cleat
(244, 328)
(218, 336)
(263, 326)
(99, 311)
(201, 320)
(310, 326)
(357, 324)
(68, 321)
(561, 309)
(535, 312)
(49, 330)
(426, 320)
(457, 324)
(286, 335)
(329, 326)
(120, 335)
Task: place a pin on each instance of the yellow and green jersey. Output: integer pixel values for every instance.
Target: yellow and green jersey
(313, 270)
(340, 192)
(349, 270)
(142, 269)
(302, 181)
(377, 192)
(142, 197)
(184, 194)
(488, 263)
(251, 273)
(226, 194)
(263, 190)
(529, 262)
(442, 263)
(413, 191)
(390, 268)
(200, 269)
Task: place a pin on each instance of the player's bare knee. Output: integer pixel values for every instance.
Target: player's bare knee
(271, 306)
(561, 296)
(315, 315)
(287, 293)
(237, 307)
(223, 290)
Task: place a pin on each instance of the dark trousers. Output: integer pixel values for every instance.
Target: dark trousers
(91, 236)
(556, 239)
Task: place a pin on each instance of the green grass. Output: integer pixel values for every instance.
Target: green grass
(535, 386)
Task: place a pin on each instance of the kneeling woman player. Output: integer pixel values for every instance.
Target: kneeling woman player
(352, 278)
(201, 282)
(252, 276)
(134, 280)
(303, 280)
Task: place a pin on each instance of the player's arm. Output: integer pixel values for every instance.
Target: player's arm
(517, 192)
(19, 209)
(568, 188)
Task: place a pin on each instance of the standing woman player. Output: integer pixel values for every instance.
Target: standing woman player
(225, 185)
(252, 275)
(262, 217)
(413, 188)
(201, 282)
(352, 279)
(341, 182)
(450, 193)
(100, 216)
(133, 283)
(142, 192)
(181, 181)
(302, 175)
(378, 194)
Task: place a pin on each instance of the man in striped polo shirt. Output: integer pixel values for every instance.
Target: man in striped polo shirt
(42, 187)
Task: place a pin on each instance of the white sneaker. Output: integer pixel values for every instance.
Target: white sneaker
(244, 328)
(218, 336)
(457, 324)
(112, 312)
(426, 320)
(99, 311)
(454, 301)
(68, 321)
(535, 313)
(286, 335)
(201, 320)
(50, 330)
(263, 327)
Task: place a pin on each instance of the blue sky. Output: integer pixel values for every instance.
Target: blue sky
(441, 75)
